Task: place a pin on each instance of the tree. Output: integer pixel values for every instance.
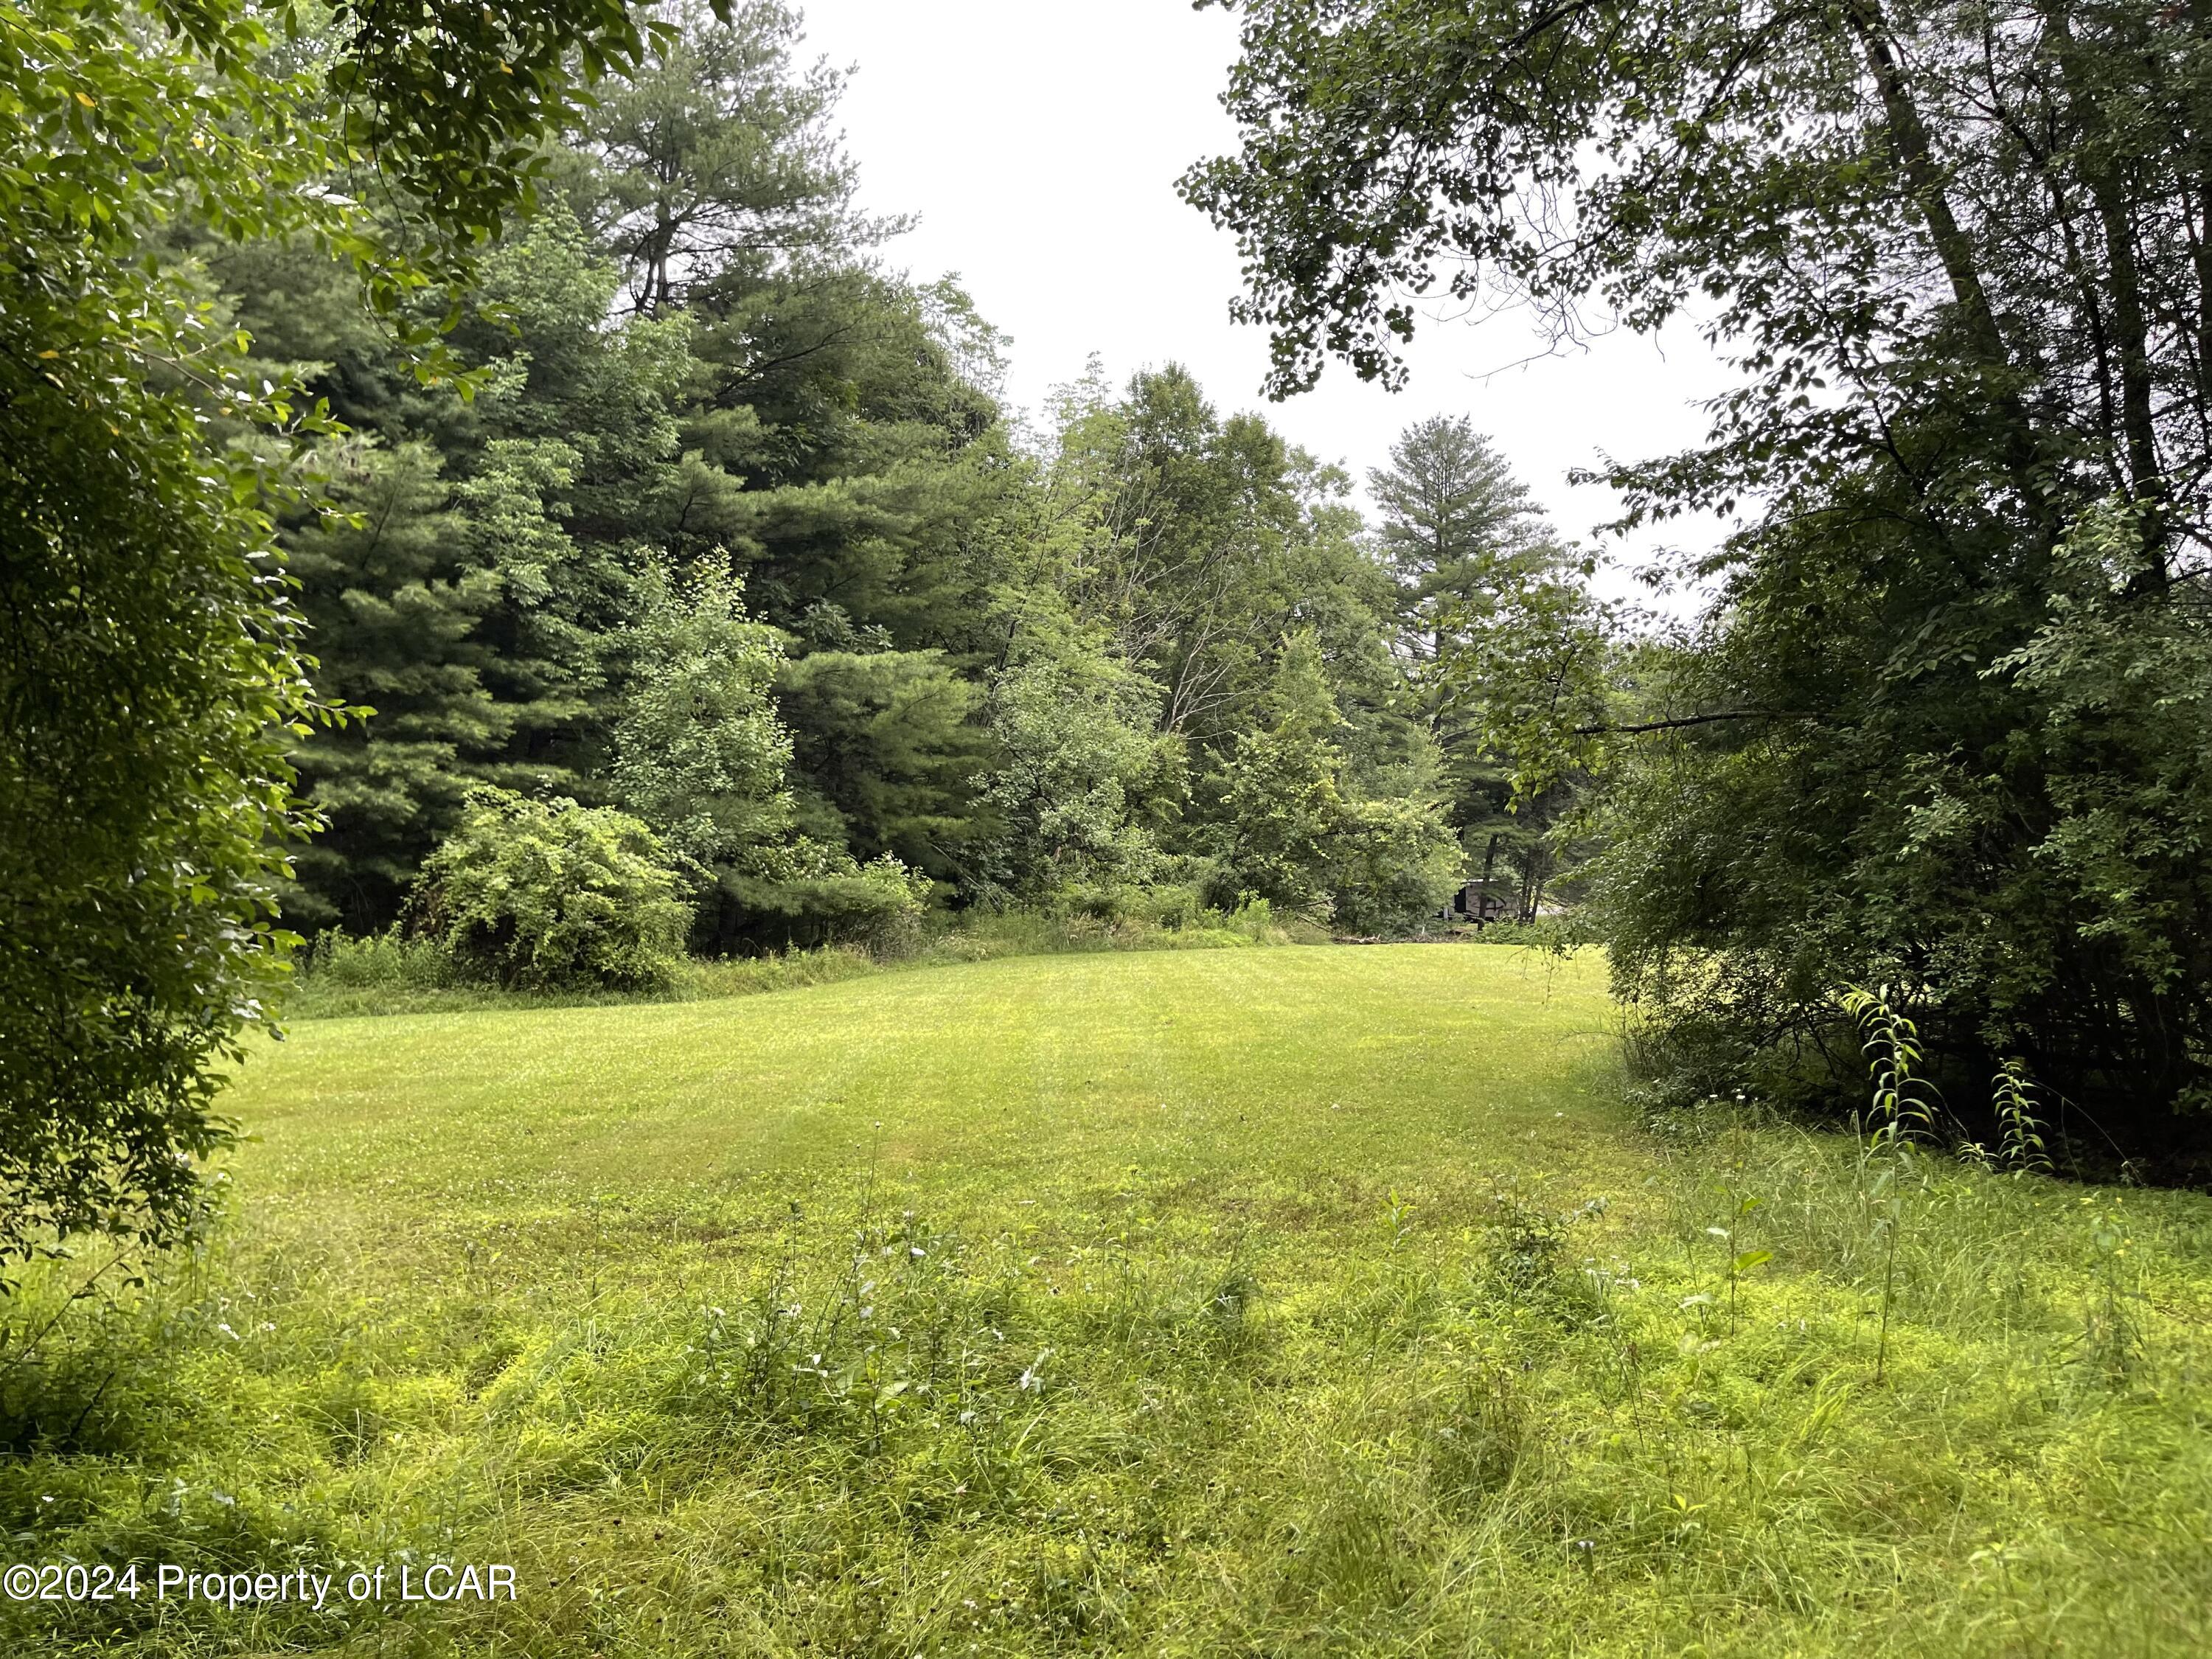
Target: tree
(699, 752)
(1197, 543)
(475, 590)
(1486, 596)
(1195, 512)
(1395, 863)
(832, 449)
(1176, 552)
(151, 679)
(1280, 807)
(1531, 679)
(888, 752)
(1958, 255)
(1458, 525)
(1081, 765)
(782, 413)
(1291, 835)
(716, 155)
(395, 617)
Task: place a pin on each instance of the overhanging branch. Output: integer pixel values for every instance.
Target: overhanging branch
(1681, 720)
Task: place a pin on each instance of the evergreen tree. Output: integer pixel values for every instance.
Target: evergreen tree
(887, 750)
(1480, 582)
(1456, 526)
(396, 611)
(716, 157)
(830, 445)
(479, 604)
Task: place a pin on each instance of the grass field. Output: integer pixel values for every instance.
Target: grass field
(1267, 1302)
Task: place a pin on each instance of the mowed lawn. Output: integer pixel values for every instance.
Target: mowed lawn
(1313, 1078)
(1270, 1301)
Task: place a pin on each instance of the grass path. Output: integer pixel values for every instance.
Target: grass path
(1275, 1301)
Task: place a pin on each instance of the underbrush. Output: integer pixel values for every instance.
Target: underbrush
(389, 973)
(1499, 1414)
(1558, 934)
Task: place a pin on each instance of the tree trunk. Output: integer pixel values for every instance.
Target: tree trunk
(1915, 153)
(2138, 438)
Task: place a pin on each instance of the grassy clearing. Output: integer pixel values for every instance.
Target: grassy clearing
(1287, 1301)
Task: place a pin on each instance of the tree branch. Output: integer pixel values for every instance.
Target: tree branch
(1681, 720)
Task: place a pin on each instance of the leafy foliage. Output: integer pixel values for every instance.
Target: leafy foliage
(1958, 256)
(805, 892)
(1394, 863)
(1292, 838)
(539, 894)
(150, 674)
(1084, 774)
(1280, 805)
(699, 751)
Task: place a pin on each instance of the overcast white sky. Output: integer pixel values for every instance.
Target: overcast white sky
(1038, 141)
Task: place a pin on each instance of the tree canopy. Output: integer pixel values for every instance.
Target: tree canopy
(1930, 731)
(153, 679)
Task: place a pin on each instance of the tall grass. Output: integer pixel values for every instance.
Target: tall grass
(1573, 1388)
(891, 1436)
(343, 977)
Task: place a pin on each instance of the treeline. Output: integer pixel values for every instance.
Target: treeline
(730, 533)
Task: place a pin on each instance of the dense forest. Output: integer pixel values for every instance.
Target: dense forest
(732, 534)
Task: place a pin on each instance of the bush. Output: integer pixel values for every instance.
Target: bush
(1396, 862)
(537, 895)
(1160, 904)
(808, 894)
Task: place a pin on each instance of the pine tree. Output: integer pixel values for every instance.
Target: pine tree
(1457, 526)
(395, 611)
(1463, 538)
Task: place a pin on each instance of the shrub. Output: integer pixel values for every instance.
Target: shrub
(545, 894)
(388, 960)
(1396, 862)
(339, 976)
(1159, 904)
(807, 893)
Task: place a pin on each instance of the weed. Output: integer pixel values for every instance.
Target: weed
(2020, 1144)
(1525, 1243)
(1737, 1262)
(1902, 1107)
(2112, 1337)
